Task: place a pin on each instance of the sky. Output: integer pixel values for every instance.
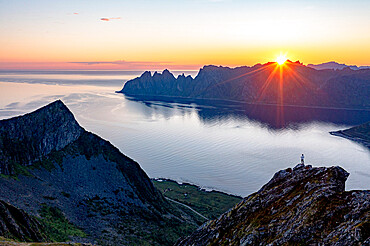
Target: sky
(180, 34)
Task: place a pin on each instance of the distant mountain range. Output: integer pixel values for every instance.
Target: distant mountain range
(290, 84)
(336, 66)
(59, 182)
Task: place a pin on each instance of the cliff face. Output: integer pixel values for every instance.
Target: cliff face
(16, 224)
(160, 84)
(26, 139)
(300, 85)
(51, 164)
(299, 206)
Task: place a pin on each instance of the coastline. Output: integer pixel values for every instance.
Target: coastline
(196, 186)
(189, 100)
(206, 204)
(341, 133)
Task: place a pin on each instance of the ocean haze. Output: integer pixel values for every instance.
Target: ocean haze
(80, 77)
(225, 147)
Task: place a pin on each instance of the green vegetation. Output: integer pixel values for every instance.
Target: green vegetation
(47, 162)
(18, 169)
(208, 203)
(10, 242)
(57, 226)
(51, 244)
(5, 239)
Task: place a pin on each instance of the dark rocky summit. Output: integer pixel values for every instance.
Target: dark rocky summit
(360, 134)
(300, 85)
(300, 206)
(28, 138)
(79, 186)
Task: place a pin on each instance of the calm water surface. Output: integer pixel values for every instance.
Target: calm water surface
(229, 147)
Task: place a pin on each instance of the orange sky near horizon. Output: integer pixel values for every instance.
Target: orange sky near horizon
(182, 35)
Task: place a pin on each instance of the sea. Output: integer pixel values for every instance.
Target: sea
(226, 146)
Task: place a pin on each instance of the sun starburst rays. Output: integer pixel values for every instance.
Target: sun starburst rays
(283, 76)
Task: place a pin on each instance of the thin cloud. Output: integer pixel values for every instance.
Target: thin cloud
(112, 18)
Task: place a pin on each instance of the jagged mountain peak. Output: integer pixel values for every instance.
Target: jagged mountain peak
(146, 75)
(27, 138)
(52, 115)
(49, 161)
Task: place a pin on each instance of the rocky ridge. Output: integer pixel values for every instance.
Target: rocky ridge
(54, 169)
(300, 206)
(28, 138)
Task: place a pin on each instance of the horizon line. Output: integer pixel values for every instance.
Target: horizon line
(133, 66)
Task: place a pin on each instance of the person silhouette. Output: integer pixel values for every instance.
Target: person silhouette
(302, 159)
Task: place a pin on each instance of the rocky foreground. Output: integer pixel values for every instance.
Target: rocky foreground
(300, 206)
(15, 222)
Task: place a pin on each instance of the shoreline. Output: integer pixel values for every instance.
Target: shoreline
(197, 186)
(340, 133)
(189, 100)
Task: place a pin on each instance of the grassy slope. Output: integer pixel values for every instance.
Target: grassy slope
(209, 203)
(57, 226)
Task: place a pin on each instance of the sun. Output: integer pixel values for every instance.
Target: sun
(281, 59)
